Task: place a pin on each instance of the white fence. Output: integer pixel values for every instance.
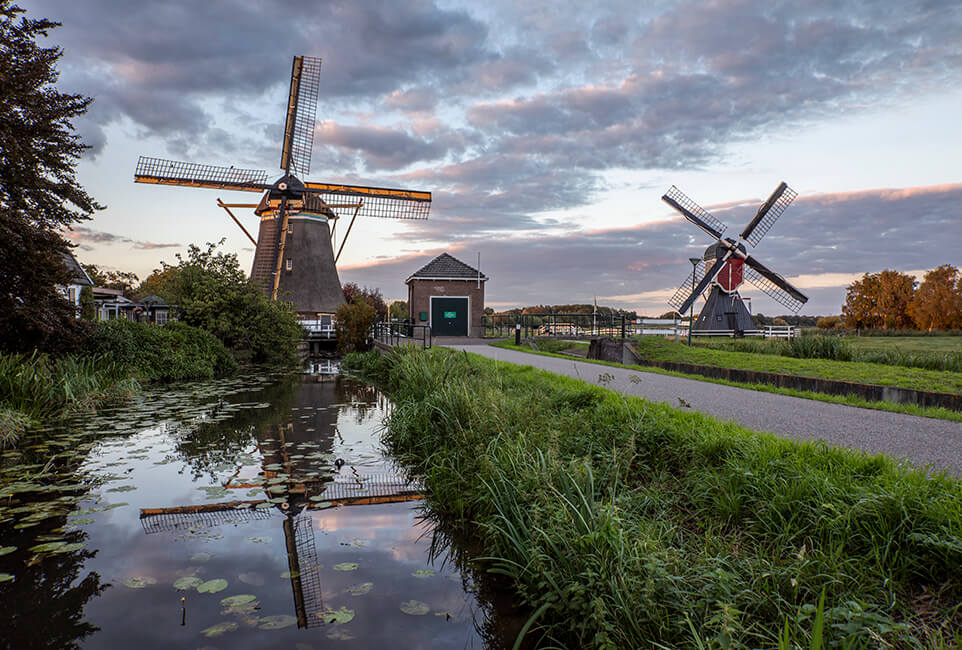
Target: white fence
(318, 328)
(679, 328)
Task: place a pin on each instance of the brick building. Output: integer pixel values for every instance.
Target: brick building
(448, 295)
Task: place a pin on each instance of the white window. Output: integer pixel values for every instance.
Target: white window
(161, 317)
(290, 228)
(290, 264)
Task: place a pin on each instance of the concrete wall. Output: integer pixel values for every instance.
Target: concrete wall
(420, 292)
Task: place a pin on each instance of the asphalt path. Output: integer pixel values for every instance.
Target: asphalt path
(924, 442)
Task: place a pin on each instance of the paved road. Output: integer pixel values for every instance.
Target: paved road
(922, 441)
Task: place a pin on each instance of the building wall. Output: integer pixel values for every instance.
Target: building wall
(420, 292)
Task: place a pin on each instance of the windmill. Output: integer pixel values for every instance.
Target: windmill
(726, 264)
(294, 256)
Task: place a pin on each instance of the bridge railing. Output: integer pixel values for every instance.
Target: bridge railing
(317, 328)
(397, 333)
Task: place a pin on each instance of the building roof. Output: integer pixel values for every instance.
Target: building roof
(446, 267)
(76, 271)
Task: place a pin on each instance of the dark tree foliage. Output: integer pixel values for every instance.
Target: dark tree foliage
(372, 297)
(105, 279)
(39, 193)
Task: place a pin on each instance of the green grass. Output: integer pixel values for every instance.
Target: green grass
(659, 349)
(848, 400)
(625, 524)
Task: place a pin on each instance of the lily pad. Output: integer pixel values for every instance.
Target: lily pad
(139, 582)
(123, 488)
(346, 566)
(424, 573)
(277, 622)
(251, 579)
(237, 601)
(6, 577)
(220, 628)
(339, 634)
(259, 540)
(361, 589)
(212, 586)
(338, 616)
(415, 608)
(200, 557)
(80, 521)
(187, 582)
(7, 549)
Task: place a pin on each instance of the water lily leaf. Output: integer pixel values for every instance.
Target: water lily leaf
(251, 579)
(277, 622)
(139, 582)
(237, 601)
(339, 634)
(278, 500)
(415, 608)
(200, 557)
(277, 489)
(187, 582)
(424, 573)
(212, 586)
(259, 540)
(7, 549)
(6, 577)
(49, 547)
(338, 616)
(361, 589)
(220, 628)
(346, 566)
(80, 521)
(122, 488)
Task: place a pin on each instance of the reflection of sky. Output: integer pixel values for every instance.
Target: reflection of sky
(386, 541)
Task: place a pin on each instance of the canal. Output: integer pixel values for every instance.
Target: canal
(259, 511)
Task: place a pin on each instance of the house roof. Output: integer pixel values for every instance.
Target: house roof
(77, 272)
(446, 267)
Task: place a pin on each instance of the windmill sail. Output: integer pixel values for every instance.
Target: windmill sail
(694, 212)
(768, 214)
(685, 289)
(705, 281)
(374, 201)
(301, 114)
(774, 285)
(172, 172)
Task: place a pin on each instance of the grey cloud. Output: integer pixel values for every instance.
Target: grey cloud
(85, 237)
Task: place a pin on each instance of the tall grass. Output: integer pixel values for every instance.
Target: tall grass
(623, 523)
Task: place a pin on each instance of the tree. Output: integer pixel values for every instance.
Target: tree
(88, 306)
(372, 297)
(398, 310)
(212, 292)
(39, 193)
(938, 301)
(159, 283)
(354, 320)
(879, 300)
(120, 280)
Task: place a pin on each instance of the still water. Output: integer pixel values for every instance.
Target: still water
(255, 512)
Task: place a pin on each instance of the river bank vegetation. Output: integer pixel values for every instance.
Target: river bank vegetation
(624, 523)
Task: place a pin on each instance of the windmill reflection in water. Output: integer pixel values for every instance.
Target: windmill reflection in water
(294, 483)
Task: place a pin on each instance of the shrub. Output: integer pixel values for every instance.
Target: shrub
(828, 322)
(354, 321)
(174, 351)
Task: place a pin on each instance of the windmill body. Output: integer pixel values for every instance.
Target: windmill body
(726, 265)
(294, 258)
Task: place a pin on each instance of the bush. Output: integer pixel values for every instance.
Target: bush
(354, 321)
(174, 351)
(828, 322)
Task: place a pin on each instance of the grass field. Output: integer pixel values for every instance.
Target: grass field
(659, 349)
(907, 344)
(628, 524)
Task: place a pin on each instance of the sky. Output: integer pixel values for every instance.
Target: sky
(547, 132)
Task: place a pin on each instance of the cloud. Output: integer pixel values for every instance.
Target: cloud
(85, 238)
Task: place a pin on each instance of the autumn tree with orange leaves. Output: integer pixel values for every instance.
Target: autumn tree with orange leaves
(880, 300)
(937, 304)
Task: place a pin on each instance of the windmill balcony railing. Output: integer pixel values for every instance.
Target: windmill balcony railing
(319, 328)
(400, 333)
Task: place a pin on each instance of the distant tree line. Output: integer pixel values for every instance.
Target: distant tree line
(894, 300)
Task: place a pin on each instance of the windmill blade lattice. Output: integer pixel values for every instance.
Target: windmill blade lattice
(773, 291)
(174, 172)
(374, 201)
(682, 293)
(768, 214)
(301, 115)
(694, 212)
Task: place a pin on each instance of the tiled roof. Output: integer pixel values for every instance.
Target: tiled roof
(445, 266)
(79, 275)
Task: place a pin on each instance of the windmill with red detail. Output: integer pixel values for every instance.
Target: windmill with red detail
(726, 264)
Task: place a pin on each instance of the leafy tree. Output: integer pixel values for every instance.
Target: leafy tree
(159, 283)
(372, 297)
(123, 281)
(398, 310)
(938, 302)
(212, 292)
(88, 306)
(39, 193)
(828, 322)
(354, 320)
(880, 300)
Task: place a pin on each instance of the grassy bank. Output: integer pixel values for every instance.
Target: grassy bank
(659, 349)
(847, 400)
(628, 524)
(118, 356)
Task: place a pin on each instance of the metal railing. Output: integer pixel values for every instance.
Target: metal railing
(397, 333)
(318, 328)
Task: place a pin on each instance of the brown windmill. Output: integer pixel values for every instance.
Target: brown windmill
(294, 256)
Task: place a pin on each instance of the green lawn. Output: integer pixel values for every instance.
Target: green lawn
(906, 344)
(659, 349)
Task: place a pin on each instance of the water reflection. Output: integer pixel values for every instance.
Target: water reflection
(235, 500)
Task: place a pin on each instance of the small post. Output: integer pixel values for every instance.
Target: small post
(517, 334)
(691, 311)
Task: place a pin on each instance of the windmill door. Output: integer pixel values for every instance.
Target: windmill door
(449, 316)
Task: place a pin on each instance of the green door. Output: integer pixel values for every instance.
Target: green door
(449, 316)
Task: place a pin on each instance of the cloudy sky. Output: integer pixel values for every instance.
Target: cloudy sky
(547, 131)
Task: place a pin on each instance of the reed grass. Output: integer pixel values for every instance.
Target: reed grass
(629, 524)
